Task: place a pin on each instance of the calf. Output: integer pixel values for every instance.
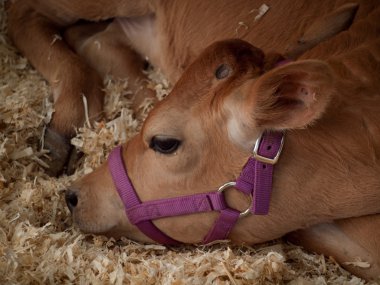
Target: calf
(233, 98)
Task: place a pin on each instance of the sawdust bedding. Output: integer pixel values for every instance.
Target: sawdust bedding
(39, 244)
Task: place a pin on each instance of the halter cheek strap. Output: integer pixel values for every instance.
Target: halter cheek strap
(255, 180)
(257, 175)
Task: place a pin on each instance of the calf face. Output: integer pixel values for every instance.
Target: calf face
(201, 135)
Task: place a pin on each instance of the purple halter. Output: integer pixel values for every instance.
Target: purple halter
(254, 180)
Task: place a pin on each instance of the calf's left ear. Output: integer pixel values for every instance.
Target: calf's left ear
(290, 96)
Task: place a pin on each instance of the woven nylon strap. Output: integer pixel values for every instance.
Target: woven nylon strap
(256, 176)
(142, 214)
(129, 196)
(255, 180)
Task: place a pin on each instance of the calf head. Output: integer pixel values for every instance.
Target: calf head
(202, 134)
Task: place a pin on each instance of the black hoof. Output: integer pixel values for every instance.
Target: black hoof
(60, 148)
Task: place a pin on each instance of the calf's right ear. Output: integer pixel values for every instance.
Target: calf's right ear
(290, 96)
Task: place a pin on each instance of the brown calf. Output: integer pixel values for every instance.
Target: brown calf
(326, 183)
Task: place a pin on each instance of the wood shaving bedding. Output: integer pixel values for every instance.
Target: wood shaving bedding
(38, 243)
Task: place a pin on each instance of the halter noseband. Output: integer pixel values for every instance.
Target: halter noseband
(254, 180)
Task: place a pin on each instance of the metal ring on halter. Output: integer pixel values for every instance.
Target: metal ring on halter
(233, 184)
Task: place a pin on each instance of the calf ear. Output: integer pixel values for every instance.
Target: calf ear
(291, 96)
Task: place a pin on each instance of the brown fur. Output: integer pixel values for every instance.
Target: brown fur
(327, 101)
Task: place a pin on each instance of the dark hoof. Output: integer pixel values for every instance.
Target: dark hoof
(74, 161)
(60, 148)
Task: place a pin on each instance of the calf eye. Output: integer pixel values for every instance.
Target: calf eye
(164, 145)
(222, 71)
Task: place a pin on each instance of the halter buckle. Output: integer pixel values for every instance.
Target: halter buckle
(265, 159)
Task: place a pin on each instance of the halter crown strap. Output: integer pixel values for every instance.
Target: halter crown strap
(256, 176)
(255, 179)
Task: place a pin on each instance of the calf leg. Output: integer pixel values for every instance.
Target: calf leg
(349, 240)
(69, 76)
(38, 37)
(323, 29)
(109, 52)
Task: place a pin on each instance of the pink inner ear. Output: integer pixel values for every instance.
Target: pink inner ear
(307, 94)
(293, 95)
(295, 91)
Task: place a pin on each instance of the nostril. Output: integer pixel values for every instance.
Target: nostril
(71, 199)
